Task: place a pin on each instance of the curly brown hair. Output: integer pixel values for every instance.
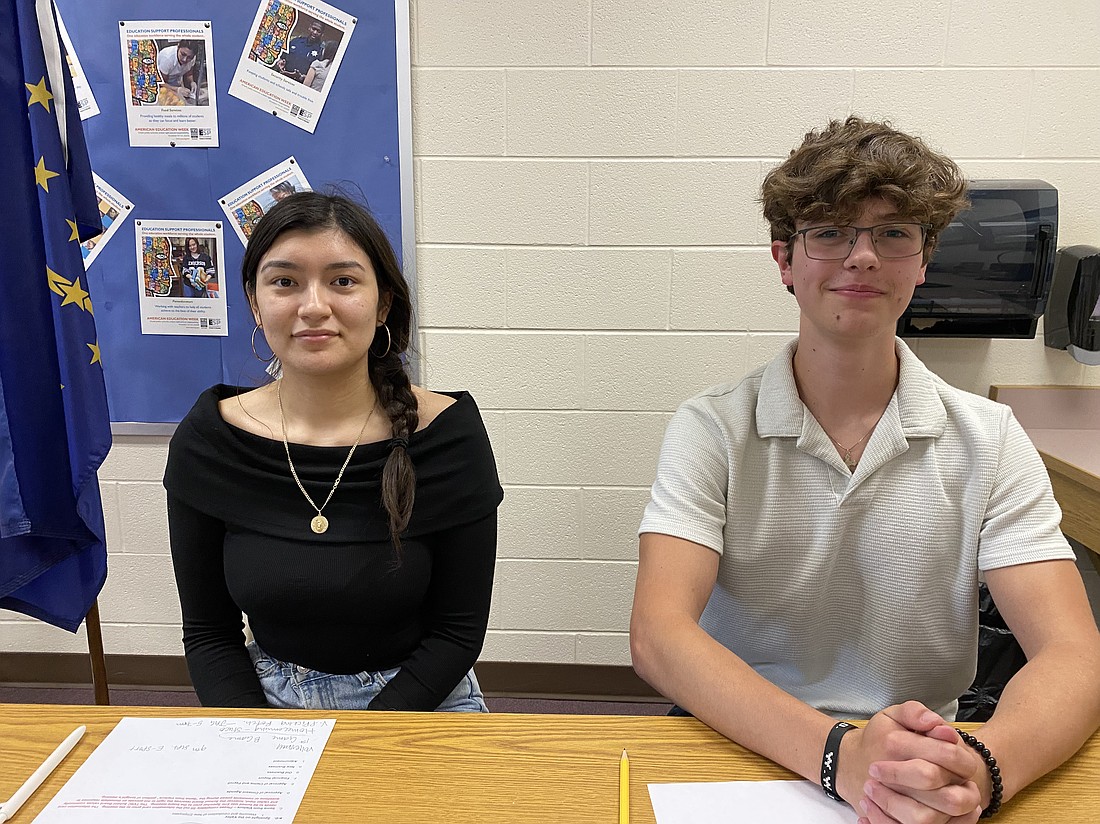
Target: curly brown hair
(836, 169)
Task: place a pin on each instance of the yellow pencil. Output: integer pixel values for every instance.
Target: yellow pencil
(624, 788)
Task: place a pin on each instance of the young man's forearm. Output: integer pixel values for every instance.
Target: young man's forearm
(1031, 733)
(688, 666)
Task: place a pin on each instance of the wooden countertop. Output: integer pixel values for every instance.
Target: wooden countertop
(461, 768)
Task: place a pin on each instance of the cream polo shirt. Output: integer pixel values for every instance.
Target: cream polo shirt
(853, 591)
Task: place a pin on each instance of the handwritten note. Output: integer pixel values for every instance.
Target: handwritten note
(193, 771)
(759, 802)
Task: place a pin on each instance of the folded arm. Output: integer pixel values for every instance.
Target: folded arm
(674, 654)
(456, 615)
(1052, 705)
(213, 629)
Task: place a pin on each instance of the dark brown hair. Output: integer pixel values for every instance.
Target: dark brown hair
(313, 211)
(836, 169)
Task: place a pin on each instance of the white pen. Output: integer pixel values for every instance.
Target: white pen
(10, 807)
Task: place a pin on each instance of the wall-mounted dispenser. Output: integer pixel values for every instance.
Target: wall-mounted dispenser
(990, 275)
(1073, 313)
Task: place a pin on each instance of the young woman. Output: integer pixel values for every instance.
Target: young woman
(197, 268)
(350, 515)
(318, 70)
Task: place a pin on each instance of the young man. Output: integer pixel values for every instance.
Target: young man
(812, 547)
(302, 51)
(176, 65)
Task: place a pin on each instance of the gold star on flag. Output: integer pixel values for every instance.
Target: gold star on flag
(73, 233)
(88, 305)
(74, 294)
(56, 282)
(39, 94)
(95, 352)
(42, 175)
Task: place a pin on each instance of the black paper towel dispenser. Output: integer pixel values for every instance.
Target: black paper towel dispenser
(1073, 313)
(990, 275)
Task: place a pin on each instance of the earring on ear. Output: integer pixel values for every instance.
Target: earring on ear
(254, 353)
(389, 340)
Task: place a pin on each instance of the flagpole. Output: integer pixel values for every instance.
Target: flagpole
(95, 652)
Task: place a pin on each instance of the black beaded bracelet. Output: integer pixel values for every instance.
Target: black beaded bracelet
(994, 772)
(831, 758)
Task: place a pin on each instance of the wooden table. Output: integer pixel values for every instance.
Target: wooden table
(400, 768)
(1064, 424)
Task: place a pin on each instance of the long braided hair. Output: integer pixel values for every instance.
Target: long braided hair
(314, 211)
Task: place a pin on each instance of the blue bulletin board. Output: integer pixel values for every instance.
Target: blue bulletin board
(362, 143)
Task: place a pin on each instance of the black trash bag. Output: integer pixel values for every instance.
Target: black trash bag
(999, 658)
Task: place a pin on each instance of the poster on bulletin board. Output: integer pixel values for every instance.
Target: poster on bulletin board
(198, 119)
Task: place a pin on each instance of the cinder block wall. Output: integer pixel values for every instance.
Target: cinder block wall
(590, 252)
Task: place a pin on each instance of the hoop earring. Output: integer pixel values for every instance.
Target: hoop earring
(389, 341)
(254, 353)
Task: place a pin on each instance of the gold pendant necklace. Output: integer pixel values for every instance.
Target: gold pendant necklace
(319, 523)
(849, 461)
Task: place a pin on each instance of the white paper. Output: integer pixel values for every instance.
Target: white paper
(114, 208)
(202, 770)
(181, 290)
(245, 205)
(279, 53)
(167, 106)
(85, 100)
(751, 802)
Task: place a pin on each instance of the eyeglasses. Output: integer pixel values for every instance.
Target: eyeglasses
(891, 240)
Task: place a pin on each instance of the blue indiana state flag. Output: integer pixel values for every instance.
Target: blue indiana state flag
(54, 426)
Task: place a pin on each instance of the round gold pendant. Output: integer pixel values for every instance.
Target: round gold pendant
(319, 524)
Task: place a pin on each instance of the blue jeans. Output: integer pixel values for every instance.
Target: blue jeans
(289, 686)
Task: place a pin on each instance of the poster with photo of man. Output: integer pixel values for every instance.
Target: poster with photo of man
(168, 75)
(291, 58)
(246, 204)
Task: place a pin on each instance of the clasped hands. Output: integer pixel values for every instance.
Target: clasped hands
(909, 766)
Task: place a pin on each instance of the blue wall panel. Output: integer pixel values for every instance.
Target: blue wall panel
(156, 378)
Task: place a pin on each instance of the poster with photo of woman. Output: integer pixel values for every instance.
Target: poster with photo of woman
(181, 266)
